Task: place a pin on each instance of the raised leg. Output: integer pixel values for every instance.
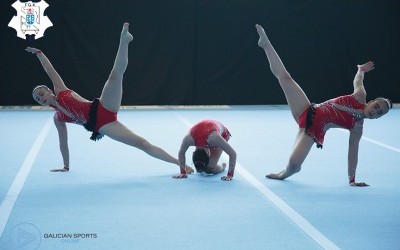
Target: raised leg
(112, 91)
(295, 96)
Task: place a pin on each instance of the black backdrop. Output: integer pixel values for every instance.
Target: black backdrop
(191, 52)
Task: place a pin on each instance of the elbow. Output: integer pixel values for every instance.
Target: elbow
(358, 83)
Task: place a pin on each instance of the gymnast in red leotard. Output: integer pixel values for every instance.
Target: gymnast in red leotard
(210, 139)
(326, 115)
(98, 116)
(80, 111)
(314, 120)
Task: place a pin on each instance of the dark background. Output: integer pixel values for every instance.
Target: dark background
(191, 52)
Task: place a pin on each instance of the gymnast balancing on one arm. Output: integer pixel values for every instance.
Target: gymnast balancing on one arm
(314, 120)
(210, 139)
(99, 116)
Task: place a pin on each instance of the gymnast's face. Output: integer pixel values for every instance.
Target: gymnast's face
(376, 109)
(43, 95)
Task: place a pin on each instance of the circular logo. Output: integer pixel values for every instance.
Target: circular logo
(25, 236)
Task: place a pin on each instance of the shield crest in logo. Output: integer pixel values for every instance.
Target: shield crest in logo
(30, 17)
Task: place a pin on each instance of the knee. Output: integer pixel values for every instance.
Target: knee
(144, 145)
(114, 76)
(285, 77)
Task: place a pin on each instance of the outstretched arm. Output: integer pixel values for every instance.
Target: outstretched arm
(63, 139)
(216, 140)
(354, 141)
(58, 83)
(186, 143)
(358, 82)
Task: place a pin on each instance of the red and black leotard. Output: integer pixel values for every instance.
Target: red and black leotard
(341, 112)
(203, 129)
(83, 112)
(78, 111)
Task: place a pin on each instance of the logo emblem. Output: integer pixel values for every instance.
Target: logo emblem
(24, 236)
(30, 19)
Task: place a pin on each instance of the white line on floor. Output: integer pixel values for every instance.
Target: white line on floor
(381, 144)
(299, 220)
(375, 142)
(302, 223)
(11, 197)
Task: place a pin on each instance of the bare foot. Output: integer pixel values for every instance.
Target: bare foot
(189, 170)
(223, 166)
(263, 41)
(125, 35)
(273, 176)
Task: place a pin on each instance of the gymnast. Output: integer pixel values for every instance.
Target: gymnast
(98, 116)
(210, 139)
(348, 112)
